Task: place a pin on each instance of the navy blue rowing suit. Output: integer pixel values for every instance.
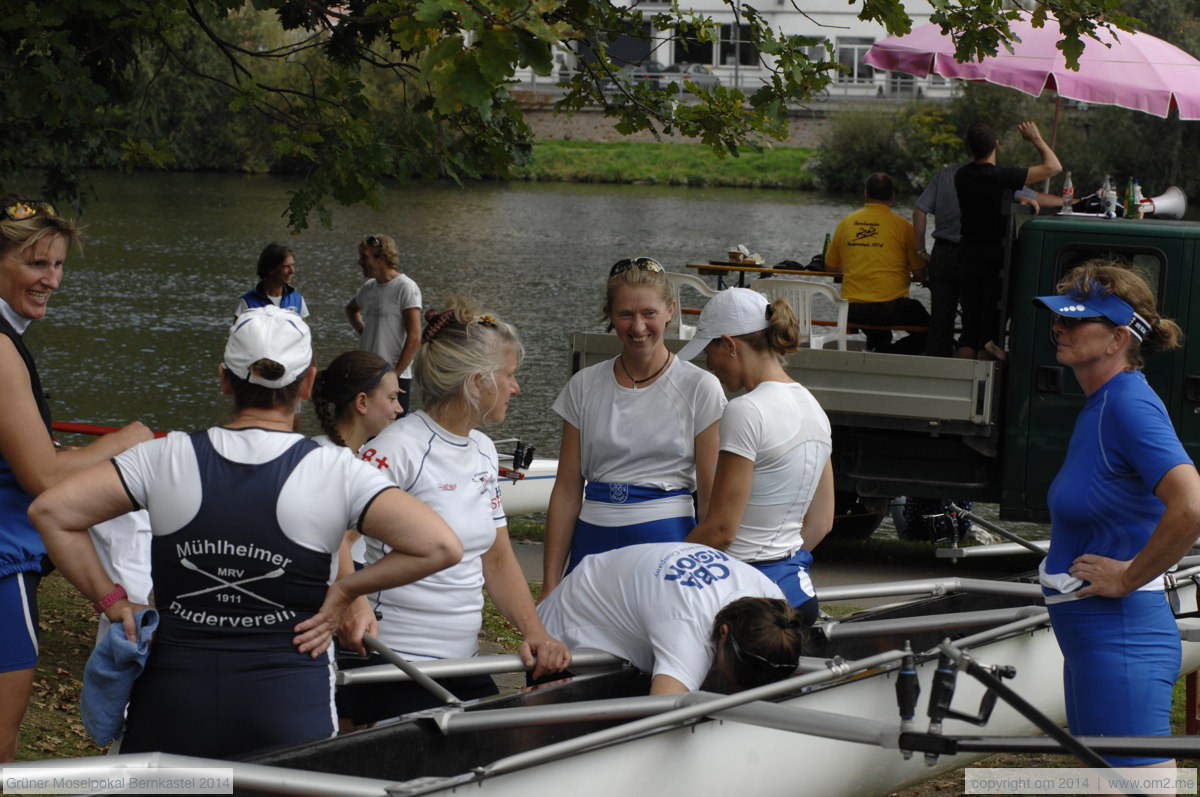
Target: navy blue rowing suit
(223, 676)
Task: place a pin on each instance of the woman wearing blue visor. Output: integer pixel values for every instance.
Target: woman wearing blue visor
(1124, 508)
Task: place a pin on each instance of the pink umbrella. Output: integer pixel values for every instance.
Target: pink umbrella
(1138, 71)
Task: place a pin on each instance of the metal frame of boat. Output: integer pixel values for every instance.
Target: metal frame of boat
(832, 729)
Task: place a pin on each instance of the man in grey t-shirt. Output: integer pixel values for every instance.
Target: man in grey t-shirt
(386, 311)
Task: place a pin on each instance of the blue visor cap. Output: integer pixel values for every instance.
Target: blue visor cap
(1109, 306)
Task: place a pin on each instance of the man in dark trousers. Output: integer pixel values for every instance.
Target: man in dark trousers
(982, 187)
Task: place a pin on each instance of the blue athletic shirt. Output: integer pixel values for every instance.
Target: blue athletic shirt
(1102, 500)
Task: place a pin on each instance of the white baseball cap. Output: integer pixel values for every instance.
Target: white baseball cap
(269, 333)
(734, 311)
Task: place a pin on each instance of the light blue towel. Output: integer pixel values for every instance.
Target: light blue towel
(108, 678)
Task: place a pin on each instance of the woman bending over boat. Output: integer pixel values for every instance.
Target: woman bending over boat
(34, 241)
(247, 519)
(1123, 509)
(773, 492)
(691, 616)
(466, 372)
(640, 430)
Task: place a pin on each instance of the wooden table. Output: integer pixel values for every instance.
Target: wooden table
(721, 268)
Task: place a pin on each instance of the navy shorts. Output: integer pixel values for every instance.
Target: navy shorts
(219, 704)
(590, 538)
(791, 576)
(1121, 658)
(19, 621)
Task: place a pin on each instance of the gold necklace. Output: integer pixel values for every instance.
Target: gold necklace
(637, 382)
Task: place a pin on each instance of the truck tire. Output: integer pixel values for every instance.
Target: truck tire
(852, 519)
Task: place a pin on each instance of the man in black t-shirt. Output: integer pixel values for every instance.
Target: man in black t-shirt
(981, 186)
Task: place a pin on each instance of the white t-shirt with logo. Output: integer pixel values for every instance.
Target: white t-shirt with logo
(327, 492)
(652, 604)
(458, 477)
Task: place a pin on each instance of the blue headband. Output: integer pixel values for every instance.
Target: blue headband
(1097, 303)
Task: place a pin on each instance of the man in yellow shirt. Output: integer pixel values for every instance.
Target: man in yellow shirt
(876, 252)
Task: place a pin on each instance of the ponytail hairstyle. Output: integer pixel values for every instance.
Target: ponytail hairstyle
(782, 334)
(337, 386)
(461, 348)
(1116, 278)
(249, 395)
(762, 643)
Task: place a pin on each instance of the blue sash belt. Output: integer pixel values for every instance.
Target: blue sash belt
(615, 493)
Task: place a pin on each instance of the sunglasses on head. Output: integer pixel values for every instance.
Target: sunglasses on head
(642, 263)
(374, 242)
(26, 209)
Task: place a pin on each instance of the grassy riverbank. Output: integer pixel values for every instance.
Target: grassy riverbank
(666, 164)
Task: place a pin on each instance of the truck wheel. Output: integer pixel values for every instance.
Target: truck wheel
(927, 520)
(852, 519)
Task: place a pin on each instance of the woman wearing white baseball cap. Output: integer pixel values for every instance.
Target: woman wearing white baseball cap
(1124, 507)
(247, 519)
(773, 492)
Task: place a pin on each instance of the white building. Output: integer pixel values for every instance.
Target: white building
(737, 63)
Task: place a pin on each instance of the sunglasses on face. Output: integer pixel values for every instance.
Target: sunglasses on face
(1070, 322)
(642, 263)
(26, 209)
(741, 656)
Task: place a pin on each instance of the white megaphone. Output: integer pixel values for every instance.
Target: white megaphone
(1171, 204)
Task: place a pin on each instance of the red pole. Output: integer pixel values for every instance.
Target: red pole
(89, 428)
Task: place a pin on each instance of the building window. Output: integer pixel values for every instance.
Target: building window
(737, 49)
(691, 51)
(851, 50)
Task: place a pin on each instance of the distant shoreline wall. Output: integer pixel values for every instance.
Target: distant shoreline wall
(806, 127)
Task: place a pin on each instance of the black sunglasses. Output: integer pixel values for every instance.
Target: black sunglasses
(739, 653)
(26, 209)
(374, 242)
(643, 263)
(1070, 322)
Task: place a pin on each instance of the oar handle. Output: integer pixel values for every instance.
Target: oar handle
(405, 666)
(89, 428)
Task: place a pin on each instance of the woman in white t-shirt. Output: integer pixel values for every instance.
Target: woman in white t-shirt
(355, 397)
(639, 434)
(247, 518)
(773, 492)
(466, 371)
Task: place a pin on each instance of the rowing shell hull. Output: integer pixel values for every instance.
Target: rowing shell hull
(532, 493)
(719, 756)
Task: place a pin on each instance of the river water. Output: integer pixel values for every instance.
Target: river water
(137, 327)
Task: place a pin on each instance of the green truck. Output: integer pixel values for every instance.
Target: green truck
(991, 432)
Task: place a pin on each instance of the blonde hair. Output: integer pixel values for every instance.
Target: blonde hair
(25, 233)
(1114, 278)
(782, 334)
(460, 348)
(381, 246)
(635, 278)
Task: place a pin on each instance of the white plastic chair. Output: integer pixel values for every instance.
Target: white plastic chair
(677, 282)
(801, 294)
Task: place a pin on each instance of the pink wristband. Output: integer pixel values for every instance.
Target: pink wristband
(117, 594)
